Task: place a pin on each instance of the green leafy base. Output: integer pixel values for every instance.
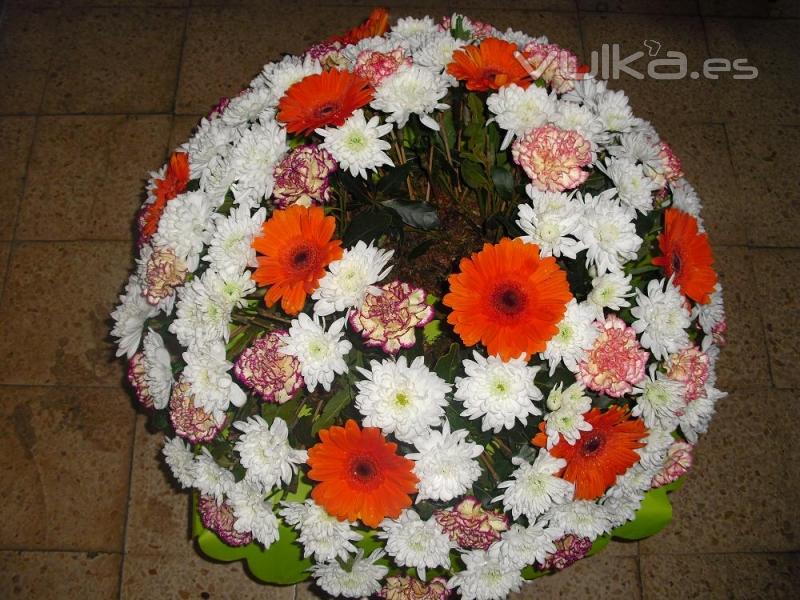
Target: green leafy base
(283, 563)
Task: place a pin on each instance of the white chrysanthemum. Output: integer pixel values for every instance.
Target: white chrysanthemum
(350, 278)
(659, 400)
(210, 478)
(129, 318)
(712, 314)
(322, 536)
(551, 222)
(265, 452)
(581, 119)
(191, 326)
(697, 414)
(207, 373)
(363, 578)
(614, 111)
(378, 43)
(576, 334)
(249, 107)
(180, 460)
(411, 90)
(412, 542)
(642, 145)
(184, 227)
(610, 291)
(232, 290)
(437, 51)
(356, 145)
(409, 26)
(565, 419)
(661, 318)
(522, 546)
(685, 198)
(217, 180)
(212, 141)
(406, 400)
(534, 488)
(253, 513)
(157, 369)
(497, 392)
(608, 230)
(519, 110)
(657, 444)
(584, 518)
(445, 464)
(212, 299)
(624, 498)
(520, 38)
(280, 76)
(319, 352)
(254, 158)
(486, 576)
(634, 188)
(230, 250)
(587, 91)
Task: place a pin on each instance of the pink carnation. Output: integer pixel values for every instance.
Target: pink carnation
(376, 66)
(679, 461)
(553, 158)
(719, 331)
(325, 51)
(388, 320)
(302, 177)
(267, 371)
(559, 66)
(138, 380)
(470, 525)
(569, 550)
(616, 362)
(671, 163)
(219, 518)
(402, 587)
(163, 273)
(480, 30)
(689, 366)
(190, 421)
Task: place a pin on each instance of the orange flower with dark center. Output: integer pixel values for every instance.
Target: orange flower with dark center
(175, 180)
(600, 455)
(376, 25)
(326, 98)
(488, 66)
(360, 474)
(508, 298)
(296, 246)
(686, 255)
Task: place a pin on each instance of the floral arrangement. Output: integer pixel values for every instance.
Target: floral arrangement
(424, 311)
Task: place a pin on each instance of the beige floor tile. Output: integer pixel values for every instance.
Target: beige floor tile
(467, 6)
(770, 46)
(190, 576)
(54, 314)
(87, 175)
(734, 499)
(780, 307)
(158, 3)
(788, 399)
(660, 7)
(598, 577)
(116, 61)
(762, 156)
(728, 577)
(748, 8)
(621, 548)
(744, 360)
(159, 513)
(16, 136)
(5, 250)
(65, 467)
(26, 46)
(59, 575)
(182, 128)
(703, 150)
(660, 101)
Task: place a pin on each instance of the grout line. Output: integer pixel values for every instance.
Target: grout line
(640, 578)
(59, 550)
(184, 36)
(127, 507)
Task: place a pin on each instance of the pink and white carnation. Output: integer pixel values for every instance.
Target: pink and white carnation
(220, 519)
(679, 460)
(403, 587)
(189, 421)
(265, 369)
(137, 377)
(470, 525)
(302, 177)
(387, 320)
(672, 170)
(376, 66)
(553, 158)
(569, 550)
(616, 362)
(690, 366)
(163, 272)
(554, 64)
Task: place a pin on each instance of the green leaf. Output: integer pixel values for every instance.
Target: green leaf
(503, 182)
(653, 515)
(394, 182)
(332, 409)
(448, 365)
(368, 226)
(473, 175)
(421, 215)
(432, 331)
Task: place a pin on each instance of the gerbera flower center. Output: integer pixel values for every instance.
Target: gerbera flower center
(509, 299)
(676, 262)
(326, 110)
(364, 470)
(593, 445)
(303, 257)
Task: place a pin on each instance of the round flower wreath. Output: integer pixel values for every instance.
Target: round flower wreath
(425, 310)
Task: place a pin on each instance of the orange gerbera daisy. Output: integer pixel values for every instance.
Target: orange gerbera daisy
(488, 66)
(326, 98)
(508, 298)
(361, 475)
(376, 25)
(686, 255)
(600, 455)
(296, 246)
(175, 180)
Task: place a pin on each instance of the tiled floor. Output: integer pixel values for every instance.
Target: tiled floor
(93, 94)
